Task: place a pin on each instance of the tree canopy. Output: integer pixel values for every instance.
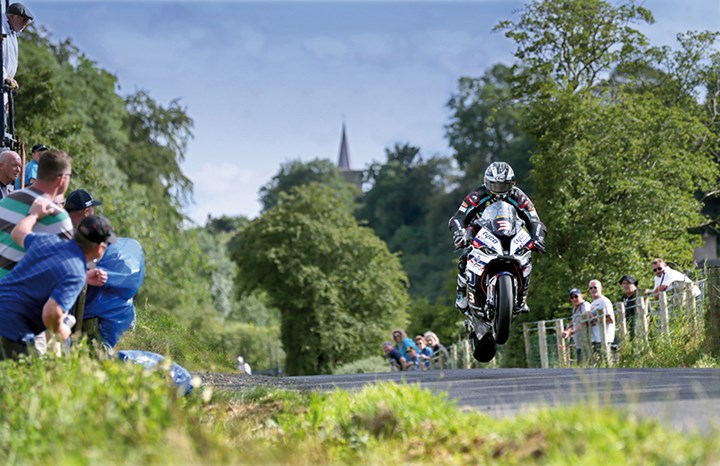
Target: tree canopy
(338, 288)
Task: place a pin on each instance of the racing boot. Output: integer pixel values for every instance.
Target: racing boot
(524, 309)
(461, 301)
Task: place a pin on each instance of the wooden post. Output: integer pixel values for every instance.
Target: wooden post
(641, 316)
(22, 166)
(690, 304)
(712, 299)
(663, 312)
(620, 320)
(604, 344)
(563, 360)
(454, 356)
(468, 354)
(528, 348)
(542, 343)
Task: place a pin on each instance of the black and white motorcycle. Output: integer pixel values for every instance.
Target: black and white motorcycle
(498, 264)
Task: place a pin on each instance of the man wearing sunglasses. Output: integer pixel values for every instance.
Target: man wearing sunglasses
(666, 278)
(580, 316)
(18, 16)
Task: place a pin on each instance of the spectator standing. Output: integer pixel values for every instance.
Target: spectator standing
(10, 165)
(629, 300)
(601, 304)
(54, 173)
(39, 291)
(403, 342)
(580, 316)
(31, 168)
(243, 367)
(397, 361)
(425, 352)
(17, 17)
(666, 278)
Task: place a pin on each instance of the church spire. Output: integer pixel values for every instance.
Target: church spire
(344, 157)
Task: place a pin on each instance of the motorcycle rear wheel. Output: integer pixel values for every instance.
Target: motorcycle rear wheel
(504, 302)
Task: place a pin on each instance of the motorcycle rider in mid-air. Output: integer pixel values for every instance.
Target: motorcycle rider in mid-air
(499, 185)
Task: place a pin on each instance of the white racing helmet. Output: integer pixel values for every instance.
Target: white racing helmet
(499, 178)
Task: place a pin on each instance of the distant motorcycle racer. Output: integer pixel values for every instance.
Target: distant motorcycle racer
(499, 185)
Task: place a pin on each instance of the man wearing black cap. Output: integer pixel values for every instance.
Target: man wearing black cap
(629, 299)
(18, 16)
(39, 291)
(80, 204)
(31, 168)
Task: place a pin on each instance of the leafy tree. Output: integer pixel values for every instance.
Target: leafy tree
(402, 194)
(617, 163)
(485, 126)
(158, 138)
(67, 101)
(297, 173)
(574, 44)
(338, 288)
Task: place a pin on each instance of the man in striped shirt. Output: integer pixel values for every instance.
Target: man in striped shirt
(54, 172)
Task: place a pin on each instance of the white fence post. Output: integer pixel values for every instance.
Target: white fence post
(663, 308)
(620, 323)
(542, 341)
(561, 347)
(528, 347)
(642, 310)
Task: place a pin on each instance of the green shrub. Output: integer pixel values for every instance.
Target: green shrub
(81, 410)
(364, 366)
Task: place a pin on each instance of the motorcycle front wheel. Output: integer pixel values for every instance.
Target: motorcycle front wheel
(504, 301)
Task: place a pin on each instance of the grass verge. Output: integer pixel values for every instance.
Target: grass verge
(80, 410)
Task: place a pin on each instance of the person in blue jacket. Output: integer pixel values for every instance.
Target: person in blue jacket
(123, 271)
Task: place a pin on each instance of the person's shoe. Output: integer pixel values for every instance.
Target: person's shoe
(461, 301)
(524, 309)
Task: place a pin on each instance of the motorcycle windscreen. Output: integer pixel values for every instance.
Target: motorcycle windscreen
(501, 219)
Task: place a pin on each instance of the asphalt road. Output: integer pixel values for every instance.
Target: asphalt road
(686, 399)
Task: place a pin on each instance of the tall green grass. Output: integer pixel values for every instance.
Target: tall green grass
(683, 344)
(82, 410)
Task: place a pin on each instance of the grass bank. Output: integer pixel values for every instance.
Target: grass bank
(80, 410)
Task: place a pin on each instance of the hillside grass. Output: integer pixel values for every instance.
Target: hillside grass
(83, 410)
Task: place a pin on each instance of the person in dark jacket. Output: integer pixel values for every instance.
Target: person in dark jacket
(629, 299)
(499, 184)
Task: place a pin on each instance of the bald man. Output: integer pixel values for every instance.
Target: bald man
(10, 166)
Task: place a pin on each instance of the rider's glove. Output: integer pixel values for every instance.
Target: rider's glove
(459, 239)
(539, 245)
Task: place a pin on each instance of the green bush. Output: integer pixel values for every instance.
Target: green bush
(81, 410)
(364, 366)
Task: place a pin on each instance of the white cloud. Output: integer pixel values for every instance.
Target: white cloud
(226, 189)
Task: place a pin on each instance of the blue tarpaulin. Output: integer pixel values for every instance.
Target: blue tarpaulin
(180, 376)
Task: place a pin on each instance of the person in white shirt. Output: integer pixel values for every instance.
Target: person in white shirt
(243, 367)
(600, 303)
(666, 278)
(18, 16)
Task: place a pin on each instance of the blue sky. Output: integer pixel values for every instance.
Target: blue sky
(267, 82)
